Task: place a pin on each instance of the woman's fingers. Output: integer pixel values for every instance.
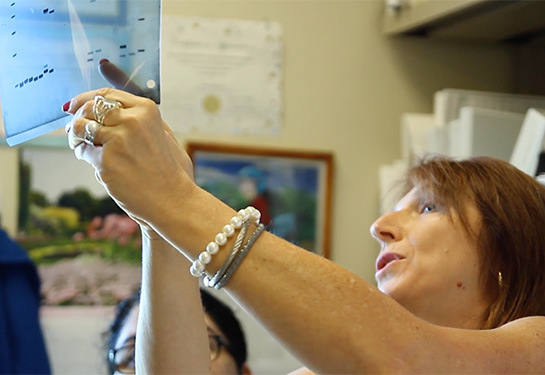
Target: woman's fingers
(117, 78)
(79, 128)
(73, 140)
(81, 99)
(132, 152)
(107, 106)
(89, 154)
(126, 99)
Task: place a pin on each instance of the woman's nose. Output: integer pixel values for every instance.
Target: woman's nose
(386, 228)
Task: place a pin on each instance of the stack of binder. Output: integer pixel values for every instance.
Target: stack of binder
(465, 124)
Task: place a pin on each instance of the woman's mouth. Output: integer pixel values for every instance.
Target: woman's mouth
(385, 259)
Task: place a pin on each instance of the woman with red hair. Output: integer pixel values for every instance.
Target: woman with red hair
(460, 272)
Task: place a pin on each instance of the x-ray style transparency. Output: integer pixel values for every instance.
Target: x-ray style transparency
(51, 50)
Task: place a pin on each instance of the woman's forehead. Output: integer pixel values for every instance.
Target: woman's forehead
(413, 195)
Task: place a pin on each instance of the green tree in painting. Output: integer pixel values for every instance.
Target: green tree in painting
(105, 206)
(38, 198)
(302, 204)
(81, 200)
(230, 194)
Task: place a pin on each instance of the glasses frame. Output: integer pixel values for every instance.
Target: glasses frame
(111, 359)
(220, 344)
(214, 354)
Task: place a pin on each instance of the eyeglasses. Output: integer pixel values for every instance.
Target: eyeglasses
(217, 342)
(122, 359)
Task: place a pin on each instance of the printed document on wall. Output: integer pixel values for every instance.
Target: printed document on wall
(222, 76)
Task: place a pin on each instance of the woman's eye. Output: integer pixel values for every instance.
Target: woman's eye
(430, 207)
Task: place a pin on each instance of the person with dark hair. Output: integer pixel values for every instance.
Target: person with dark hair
(459, 273)
(228, 352)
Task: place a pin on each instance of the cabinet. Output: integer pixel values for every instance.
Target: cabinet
(490, 20)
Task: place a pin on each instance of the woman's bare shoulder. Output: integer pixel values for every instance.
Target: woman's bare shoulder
(529, 321)
(528, 332)
(516, 347)
(522, 343)
(528, 328)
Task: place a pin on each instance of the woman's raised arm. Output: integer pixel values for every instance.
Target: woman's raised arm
(171, 334)
(332, 320)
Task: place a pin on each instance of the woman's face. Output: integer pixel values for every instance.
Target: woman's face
(223, 364)
(428, 262)
(126, 339)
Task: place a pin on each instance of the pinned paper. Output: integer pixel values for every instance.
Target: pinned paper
(223, 76)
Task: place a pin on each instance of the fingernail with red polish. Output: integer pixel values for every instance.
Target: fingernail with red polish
(103, 61)
(66, 106)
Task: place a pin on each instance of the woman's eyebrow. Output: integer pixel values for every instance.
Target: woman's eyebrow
(213, 332)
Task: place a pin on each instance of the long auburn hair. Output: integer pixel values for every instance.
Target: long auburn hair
(510, 238)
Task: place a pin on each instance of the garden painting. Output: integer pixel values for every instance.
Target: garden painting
(86, 249)
(291, 188)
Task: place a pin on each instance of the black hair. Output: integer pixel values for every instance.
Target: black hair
(227, 322)
(121, 312)
(218, 311)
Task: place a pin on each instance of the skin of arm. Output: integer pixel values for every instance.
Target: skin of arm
(170, 312)
(332, 320)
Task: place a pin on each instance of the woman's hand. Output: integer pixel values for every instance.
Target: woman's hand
(135, 154)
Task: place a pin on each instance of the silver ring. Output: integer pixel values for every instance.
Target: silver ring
(90, 132)
(102, 106)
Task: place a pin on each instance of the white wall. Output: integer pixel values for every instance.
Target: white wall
(73, 338)
(345, 88)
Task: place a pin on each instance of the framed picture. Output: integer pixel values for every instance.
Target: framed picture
(292, 189)
(86, 249)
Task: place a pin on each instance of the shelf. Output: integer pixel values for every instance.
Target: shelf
(489, 20)
(54, 139)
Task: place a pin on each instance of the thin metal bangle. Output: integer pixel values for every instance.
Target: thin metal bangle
(240, 256)
(211, 283)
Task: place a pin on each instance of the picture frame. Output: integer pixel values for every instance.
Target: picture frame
(291, 188)
(87, 251)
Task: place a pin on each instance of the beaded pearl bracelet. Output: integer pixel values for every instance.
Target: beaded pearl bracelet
(212, 281)
(226, 276)
(249, 213)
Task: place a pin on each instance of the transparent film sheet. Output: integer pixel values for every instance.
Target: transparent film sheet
(51, 50)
